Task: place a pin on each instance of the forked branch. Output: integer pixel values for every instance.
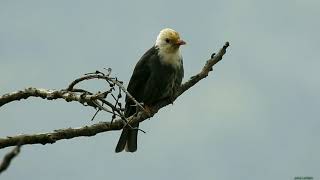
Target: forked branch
(86, 98)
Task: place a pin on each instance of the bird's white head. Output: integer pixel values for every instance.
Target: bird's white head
(169, 41)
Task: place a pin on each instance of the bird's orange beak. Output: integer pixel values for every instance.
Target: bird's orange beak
(181, 42)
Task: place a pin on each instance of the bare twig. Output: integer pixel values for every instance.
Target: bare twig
(92, 130)
(95, 114)
(215, 58)
(100, 75)
(8, 158)
(129, 95)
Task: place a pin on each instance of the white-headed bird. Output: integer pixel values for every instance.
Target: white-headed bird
(156, 76)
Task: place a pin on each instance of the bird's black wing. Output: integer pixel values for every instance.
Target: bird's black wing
(139, 78)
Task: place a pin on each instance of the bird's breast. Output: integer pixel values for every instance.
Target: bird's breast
(173, 59)
(165, 77)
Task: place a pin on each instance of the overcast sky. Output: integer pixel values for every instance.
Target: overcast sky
(255, 117)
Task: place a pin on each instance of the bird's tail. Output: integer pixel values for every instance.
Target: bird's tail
(128, 139)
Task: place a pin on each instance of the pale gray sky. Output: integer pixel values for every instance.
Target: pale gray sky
(255, 117)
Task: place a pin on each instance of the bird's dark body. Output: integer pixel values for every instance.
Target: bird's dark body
(152, 80)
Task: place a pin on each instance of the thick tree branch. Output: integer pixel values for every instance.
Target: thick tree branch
(92, 130)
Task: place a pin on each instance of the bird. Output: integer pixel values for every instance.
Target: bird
(157, 76)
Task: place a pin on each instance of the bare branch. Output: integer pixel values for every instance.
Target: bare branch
(48, 94)
(117, 124)
(8, 158)
(88, 76)
(215, 58)
(69, 133)
(100, 75)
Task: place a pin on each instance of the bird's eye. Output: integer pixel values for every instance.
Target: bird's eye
(167, 40)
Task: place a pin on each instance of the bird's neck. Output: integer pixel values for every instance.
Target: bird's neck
(170, 57)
